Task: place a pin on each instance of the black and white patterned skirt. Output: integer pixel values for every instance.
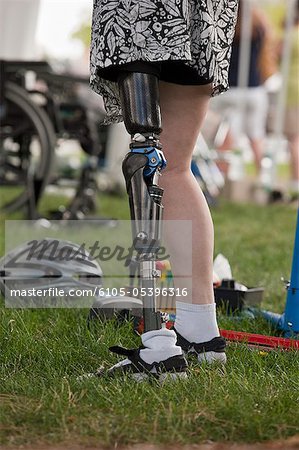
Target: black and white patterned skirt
(191, 39)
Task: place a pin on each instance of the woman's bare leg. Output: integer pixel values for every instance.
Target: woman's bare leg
(183, 109)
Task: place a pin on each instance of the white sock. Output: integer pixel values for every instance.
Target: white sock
(160, 345)
(196, 323)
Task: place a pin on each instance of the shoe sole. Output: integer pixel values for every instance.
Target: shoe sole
(212, 358)
(162, 377)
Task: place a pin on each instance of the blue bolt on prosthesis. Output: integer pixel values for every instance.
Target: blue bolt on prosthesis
(288, 322)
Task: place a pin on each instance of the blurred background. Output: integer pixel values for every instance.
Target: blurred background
(58, 30)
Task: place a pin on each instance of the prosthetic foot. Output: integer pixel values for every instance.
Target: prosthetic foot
(158, 358)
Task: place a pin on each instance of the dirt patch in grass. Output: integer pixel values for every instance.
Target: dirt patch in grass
(288, 444)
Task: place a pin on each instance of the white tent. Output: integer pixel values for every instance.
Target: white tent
(18, 21)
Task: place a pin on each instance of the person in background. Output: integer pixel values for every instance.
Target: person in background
(291, 122)
(246, 108)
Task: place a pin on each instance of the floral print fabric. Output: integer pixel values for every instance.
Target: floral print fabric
(197, 32)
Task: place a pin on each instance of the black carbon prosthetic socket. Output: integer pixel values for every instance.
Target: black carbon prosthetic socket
(139, 94)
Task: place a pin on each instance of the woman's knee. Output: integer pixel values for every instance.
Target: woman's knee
(176, 169)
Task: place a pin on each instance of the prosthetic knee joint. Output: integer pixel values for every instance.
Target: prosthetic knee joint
(141, 168)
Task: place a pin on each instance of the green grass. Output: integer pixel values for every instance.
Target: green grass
(254, 398)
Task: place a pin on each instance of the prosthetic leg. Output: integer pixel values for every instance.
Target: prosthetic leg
(158, 356)
(139, 94)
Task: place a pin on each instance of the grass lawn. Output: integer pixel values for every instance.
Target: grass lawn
(254, 398)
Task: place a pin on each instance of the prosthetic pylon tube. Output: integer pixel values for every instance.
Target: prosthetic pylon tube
(141, 167)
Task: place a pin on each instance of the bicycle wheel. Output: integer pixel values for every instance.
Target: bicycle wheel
(27, 144)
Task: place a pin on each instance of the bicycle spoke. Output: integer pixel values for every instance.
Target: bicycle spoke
(27, 140)
(15, 131)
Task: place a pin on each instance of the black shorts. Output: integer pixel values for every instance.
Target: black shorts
(170, 71)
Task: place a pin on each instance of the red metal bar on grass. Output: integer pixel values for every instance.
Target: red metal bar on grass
(260, 340)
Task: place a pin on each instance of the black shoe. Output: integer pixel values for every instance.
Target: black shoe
(212, 351)
(172, 368)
